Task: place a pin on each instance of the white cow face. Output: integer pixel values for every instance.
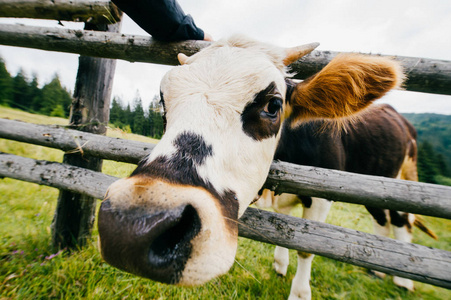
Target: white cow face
(175, 218)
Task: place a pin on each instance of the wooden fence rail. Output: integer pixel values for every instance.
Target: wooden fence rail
(59, 137)
(58, 175)
(412, 261)
(95, 11)
(424, 75)
(414, 197)
(400, 195)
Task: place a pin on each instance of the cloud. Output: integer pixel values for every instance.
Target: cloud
(147, 81)
(415, 102)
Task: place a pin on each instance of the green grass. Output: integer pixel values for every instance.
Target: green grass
(29, 269)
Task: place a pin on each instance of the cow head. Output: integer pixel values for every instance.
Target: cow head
(174, 219)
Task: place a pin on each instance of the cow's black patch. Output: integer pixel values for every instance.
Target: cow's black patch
(181, 166)
(164, 111)
(399, 219)
(191, 146)
(261, 118)
(378, 215)
(306, 201)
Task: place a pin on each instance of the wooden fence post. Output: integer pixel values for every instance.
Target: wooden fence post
(75, 213)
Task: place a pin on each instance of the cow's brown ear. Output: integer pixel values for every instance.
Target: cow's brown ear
(349, 83)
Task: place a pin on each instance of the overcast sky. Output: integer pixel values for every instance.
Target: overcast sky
(407, 28)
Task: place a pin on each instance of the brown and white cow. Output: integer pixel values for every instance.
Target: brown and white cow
(174, 219)
(378, 142)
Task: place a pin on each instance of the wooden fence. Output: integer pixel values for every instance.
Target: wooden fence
(378, 253)
(425, 75)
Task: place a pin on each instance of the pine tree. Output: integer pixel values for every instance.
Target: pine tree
(127, 118)
(20, 92)
(138, 117)
(54, 94)
(150, 120)
(156, 125)
(116, 112)
(34, 94)
(6, 91)
(66, 100)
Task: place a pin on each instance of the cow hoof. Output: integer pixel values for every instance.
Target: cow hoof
(301, 294)
(378, 274)
(281, 269)
(281, 260)
(404, 283)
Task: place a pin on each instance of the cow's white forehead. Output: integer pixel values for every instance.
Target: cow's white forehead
(227, 74)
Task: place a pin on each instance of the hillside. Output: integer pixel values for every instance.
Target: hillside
(435, 129)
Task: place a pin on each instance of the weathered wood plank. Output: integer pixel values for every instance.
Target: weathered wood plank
(424, 75)
(61, 176)
(412, 261)
(133, 48)
(96, 11)
(414, 197)
(70, 140)
(401, 195)
(378, 253)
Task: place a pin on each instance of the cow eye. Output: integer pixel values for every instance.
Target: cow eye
(273, 107)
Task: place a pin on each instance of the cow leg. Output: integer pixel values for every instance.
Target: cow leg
(283, 204)
(300, 287)
(402, 230)
(381, 221)
(381, 226)
(265, 199)
(281, 260)
(403, 222)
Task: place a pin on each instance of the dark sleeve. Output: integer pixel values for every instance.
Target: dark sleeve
(163, 19)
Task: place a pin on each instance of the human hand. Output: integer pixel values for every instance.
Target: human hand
(208, 37)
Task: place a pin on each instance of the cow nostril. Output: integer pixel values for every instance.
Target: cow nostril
(174, 241)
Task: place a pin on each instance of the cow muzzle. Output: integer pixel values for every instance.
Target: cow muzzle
(154, 245)
(164, 232)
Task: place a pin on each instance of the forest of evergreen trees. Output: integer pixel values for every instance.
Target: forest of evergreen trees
(20, 92)
(434, 146)
(54, 100)
(134, 119)
(432, 166)
(434, 131)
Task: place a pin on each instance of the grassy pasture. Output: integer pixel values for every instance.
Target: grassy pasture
(30, 269)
